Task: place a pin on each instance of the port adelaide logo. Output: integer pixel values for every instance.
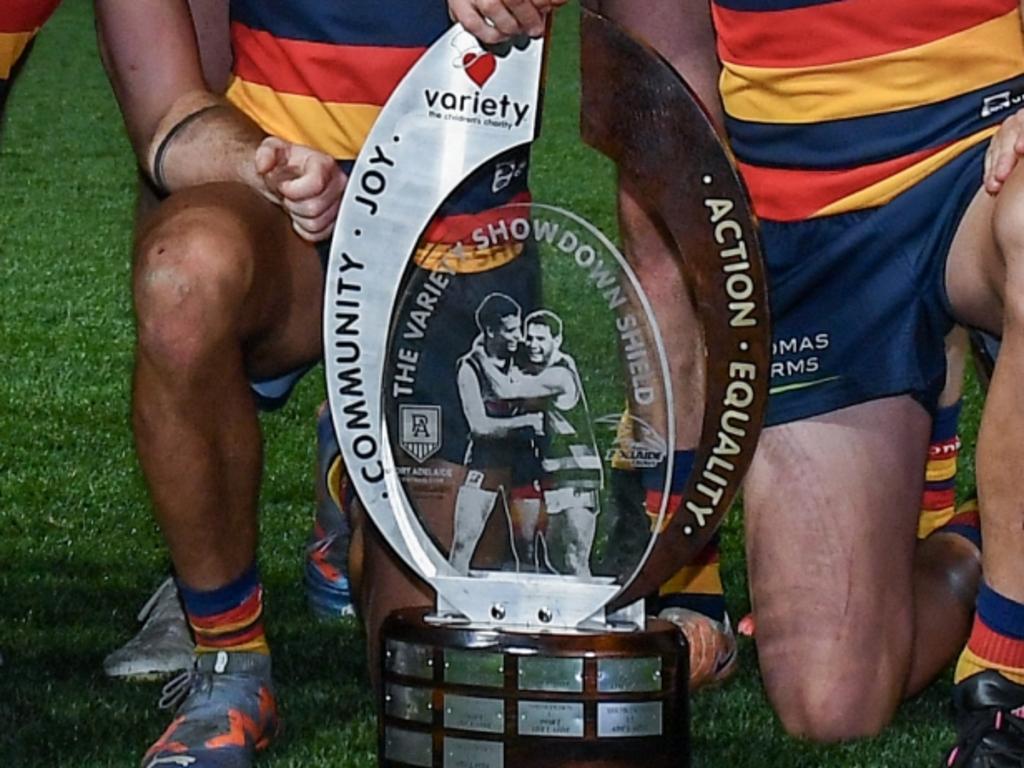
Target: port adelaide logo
(419, 431)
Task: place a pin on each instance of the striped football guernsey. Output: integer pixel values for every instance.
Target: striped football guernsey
(839, 105)
(318, 73)
(20, 20)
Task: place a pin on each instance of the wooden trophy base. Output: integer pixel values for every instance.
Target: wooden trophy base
(456, 696)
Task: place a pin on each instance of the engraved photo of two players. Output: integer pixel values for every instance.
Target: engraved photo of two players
(530, 425)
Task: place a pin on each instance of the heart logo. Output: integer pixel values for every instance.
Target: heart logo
(480, 67)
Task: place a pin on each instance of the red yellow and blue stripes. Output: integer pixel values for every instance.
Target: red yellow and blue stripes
(938, 501)
(997, 638)
(318, 74)
(20, 21)
(229, 618)
(839, 105)
(697, 586)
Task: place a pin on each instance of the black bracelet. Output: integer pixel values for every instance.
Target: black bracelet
(161, 151)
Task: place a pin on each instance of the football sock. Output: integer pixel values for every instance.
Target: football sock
(698, 585)
(997, 638)
(653, 480)
(229, 618)
(938, 502)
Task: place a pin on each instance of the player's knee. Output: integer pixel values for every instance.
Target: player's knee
(828, 709)
(190, 277)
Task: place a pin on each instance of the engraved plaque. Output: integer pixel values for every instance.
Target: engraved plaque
(537, 673)
(474, 668)
(410, 659)
(469, 753)
(409, 747)
(407, 703)
(619, 719)
(551, 718)
(628, 675)
(472, 713)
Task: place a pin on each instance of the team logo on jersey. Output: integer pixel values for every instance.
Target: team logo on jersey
(478, 64)
(419, 431)
(1000, 102)
(637, 444)
(507, 172)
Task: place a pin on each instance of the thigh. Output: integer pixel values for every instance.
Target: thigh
(831, 513)
(682, 32)
(977, 269)
(230, 260)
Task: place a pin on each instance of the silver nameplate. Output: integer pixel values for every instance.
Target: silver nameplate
(409, 659)
(407, 703)
(618, 719)
(409, 747)
(474, 668)
(539, 673)
(472, 713)
(551, 718)
(629, 675)
(469, 753)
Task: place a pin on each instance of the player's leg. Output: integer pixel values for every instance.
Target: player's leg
(831, 511)
(328, 590)
(947, 566)
(475, 501)
(527, 528)
(163, 643)
(693, 598)
(985, 284)
(580, 524)
(947, 561)
(221, 289)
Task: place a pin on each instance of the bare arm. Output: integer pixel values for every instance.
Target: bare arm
(183, 134)
(482, 425)
(549, 382)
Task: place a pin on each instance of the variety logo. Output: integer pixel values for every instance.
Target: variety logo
(475, 108)
(478, 64)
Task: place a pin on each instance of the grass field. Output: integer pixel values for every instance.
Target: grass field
(78, 550)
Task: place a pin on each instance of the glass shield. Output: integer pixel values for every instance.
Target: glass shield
(525, 369)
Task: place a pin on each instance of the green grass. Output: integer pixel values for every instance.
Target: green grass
(78, 549)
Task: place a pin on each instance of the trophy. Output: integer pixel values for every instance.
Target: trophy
(490, 370)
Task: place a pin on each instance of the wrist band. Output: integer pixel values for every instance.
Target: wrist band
(161, 151)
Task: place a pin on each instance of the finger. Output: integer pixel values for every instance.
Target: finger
(530, 20)
(270, 153)
(309, 208)
(1004, 157)
(473, 20)
(495, 13)
(319, 227)
(315, 177)
(987, 171)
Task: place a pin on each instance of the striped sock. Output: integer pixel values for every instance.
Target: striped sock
(653, 480)
(698, 585)
(997, 638)
(938, 503)
(229, 618)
